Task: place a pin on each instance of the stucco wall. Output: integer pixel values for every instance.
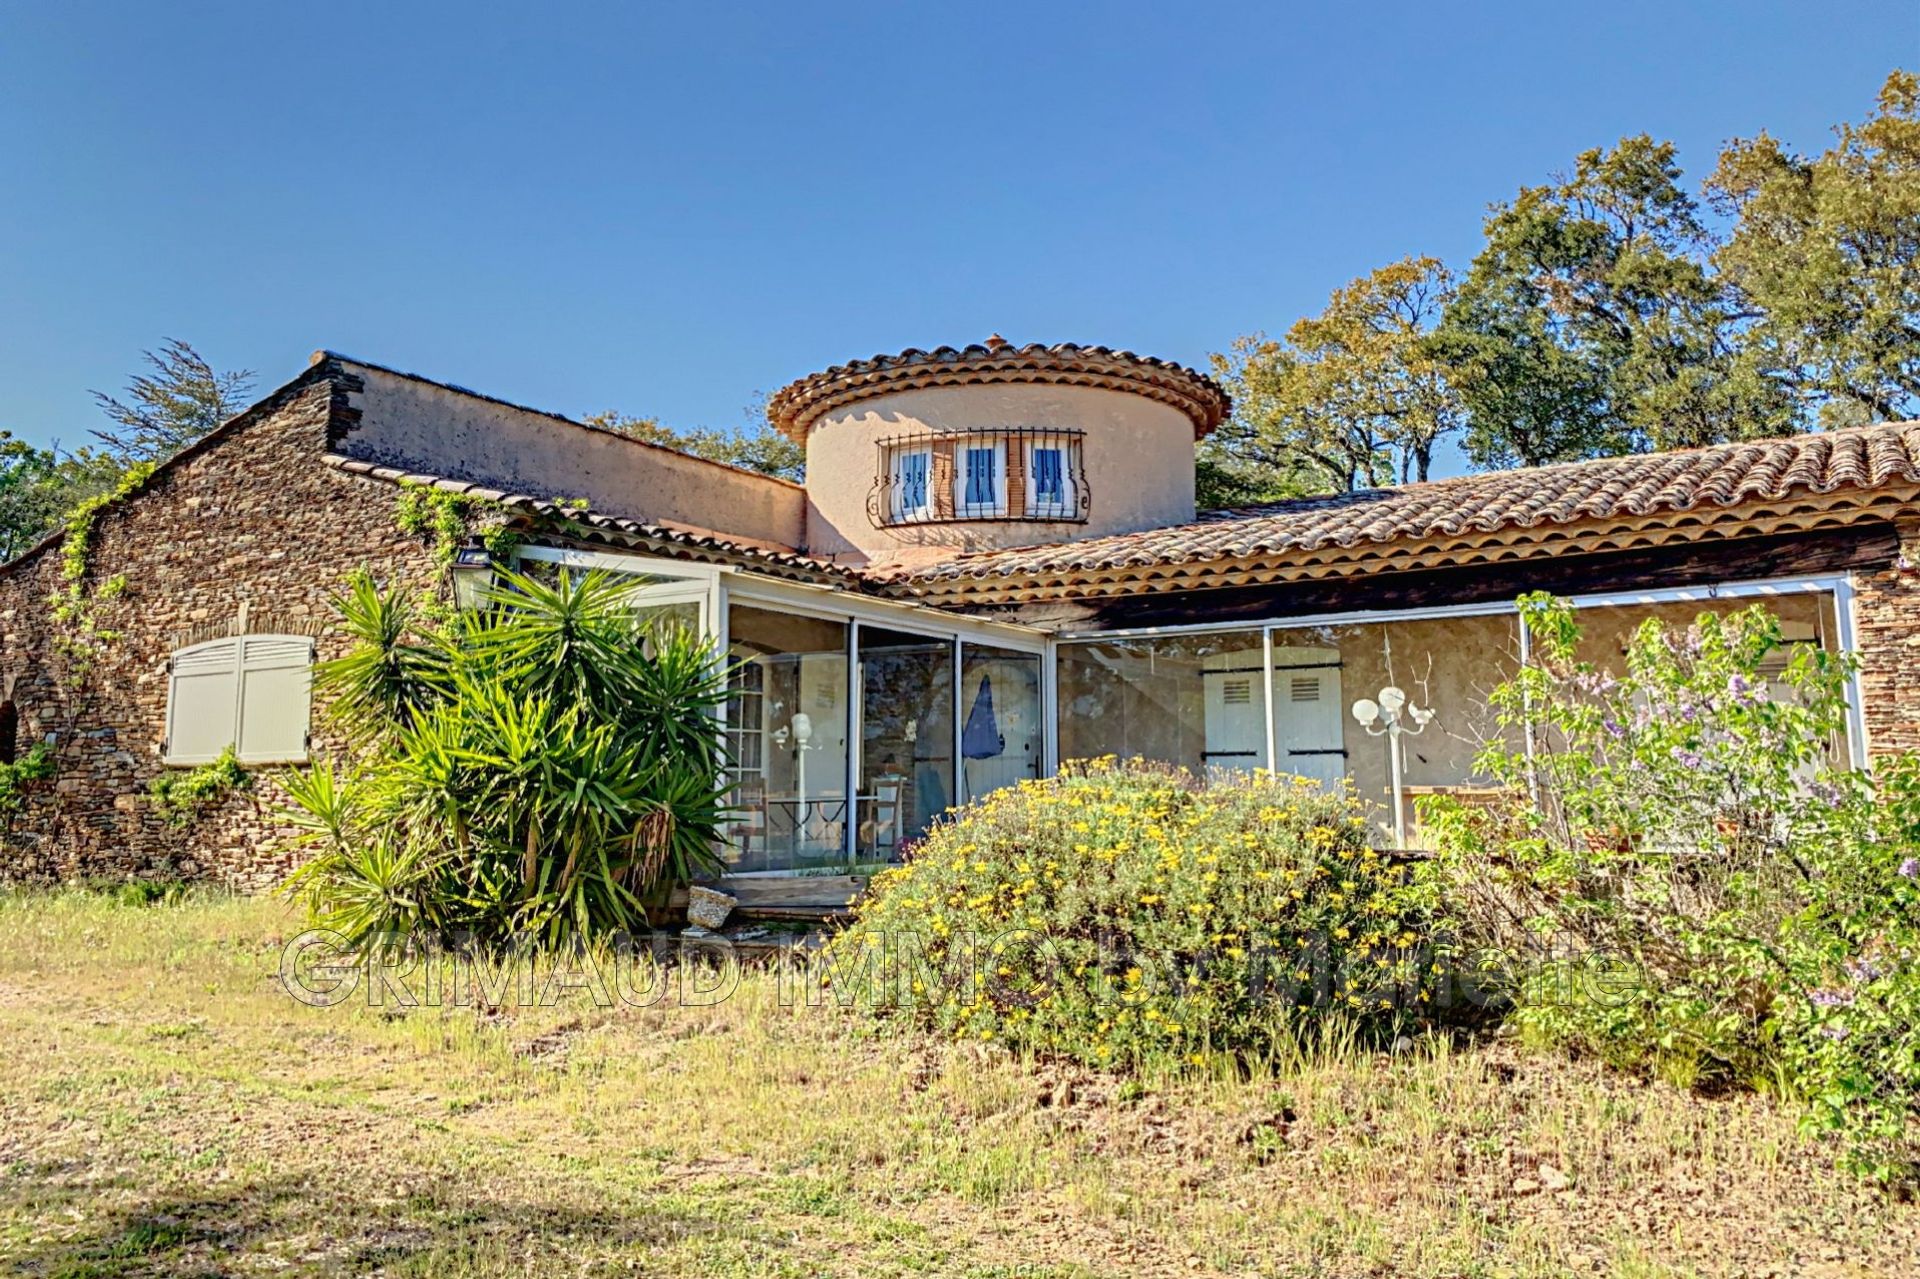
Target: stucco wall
(1138, 456)
(420, 426)
(256, 519)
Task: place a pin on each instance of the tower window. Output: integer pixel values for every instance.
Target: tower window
(910, 477)
(982, 480)
(993, 473)
(1053, 477)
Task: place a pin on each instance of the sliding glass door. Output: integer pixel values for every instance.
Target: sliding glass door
(906, 738)
(1002, 723)
(787, 727)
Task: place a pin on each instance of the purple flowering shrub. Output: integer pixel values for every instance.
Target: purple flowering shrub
(1685, 879)
(1850, 1027)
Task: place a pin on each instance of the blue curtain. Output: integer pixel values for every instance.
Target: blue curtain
(981, 738)
(1047, 486)
(980, 477)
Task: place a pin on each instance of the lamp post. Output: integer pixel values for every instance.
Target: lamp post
(800, 731)
(1387, 718)
(802, 743)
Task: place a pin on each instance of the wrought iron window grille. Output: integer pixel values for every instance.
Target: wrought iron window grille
(997, 474)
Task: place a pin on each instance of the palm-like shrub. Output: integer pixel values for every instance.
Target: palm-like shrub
(537, 770)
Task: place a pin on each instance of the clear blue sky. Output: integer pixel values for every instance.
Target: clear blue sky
(666, 208)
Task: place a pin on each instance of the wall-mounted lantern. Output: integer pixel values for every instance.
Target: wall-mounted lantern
(472, 574)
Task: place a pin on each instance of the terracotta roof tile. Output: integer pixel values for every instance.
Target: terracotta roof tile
(762, 554)
(1608, 488)
(795, 407)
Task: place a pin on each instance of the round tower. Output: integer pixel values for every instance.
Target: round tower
(916, 455)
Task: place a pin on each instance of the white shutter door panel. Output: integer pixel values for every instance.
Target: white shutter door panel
(1309, 723)
(269, 651)
(276, 698)
(273, 715)
(201, 703)
(1235, 724)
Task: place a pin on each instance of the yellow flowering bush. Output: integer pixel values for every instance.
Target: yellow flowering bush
(1122, 913)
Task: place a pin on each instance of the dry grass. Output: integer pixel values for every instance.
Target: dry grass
(168, 1110)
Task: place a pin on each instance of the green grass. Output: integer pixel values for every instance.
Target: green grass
(169, 1110)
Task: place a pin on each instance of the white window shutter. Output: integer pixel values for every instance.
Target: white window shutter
(202, 701)
(276, 698)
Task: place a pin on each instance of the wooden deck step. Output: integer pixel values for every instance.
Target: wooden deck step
(822, 897)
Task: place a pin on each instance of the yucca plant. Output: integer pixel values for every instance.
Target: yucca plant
(539, 770)
(395, 668)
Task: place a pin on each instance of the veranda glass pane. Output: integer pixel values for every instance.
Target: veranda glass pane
(1807, 620)
(1446, 665)
(787, 730)
(1191, 700)
(683, 614)
(906, 738)
(1002, 724)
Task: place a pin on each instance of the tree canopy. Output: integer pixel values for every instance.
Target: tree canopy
(1608, 310)
(756, 448)
(1351, 398)
(38, 486)
(179, 400)
(176, 401)
(1825, 252)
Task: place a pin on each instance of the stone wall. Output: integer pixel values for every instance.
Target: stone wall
(251, 519)
(1886, 606)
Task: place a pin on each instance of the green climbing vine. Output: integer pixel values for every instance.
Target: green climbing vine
(78, 633)
(181, 797)
(449, 519)
(34, 766)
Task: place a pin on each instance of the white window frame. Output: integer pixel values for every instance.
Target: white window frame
(238, 644)
(996, 504)
(697, 584)
(1068, 507)
(901, 513)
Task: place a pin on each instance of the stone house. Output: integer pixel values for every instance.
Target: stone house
(995, 564)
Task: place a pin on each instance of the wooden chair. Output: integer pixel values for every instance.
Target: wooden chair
(748, 829)
(889, 816)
